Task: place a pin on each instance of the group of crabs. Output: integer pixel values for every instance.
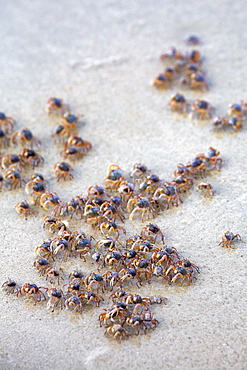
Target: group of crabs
(118, 260)
(66, 133)
(14, 165)
(185, 70)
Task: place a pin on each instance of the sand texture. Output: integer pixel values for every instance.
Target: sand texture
(101, 57)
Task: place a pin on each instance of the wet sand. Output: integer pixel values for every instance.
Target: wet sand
(100, 58)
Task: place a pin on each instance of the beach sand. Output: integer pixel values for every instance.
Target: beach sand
(101, 57)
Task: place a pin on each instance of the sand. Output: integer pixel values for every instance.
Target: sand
(100, 57)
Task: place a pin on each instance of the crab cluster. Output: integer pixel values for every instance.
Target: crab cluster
(198, 109)
(14, 166)
(119, 260)
(129, 314)
(137, 194)
(138, 259)
(183, 70)
(66, 133)
(236, 116)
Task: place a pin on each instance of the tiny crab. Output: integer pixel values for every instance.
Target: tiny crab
(193, 40)
(142, 267)
(170, 73)
(197, 166)
(93, 215)
(140, 204)
(7, 123)
(82, 246)
(56, 106)
(13, 178)
(206, 188)
(116, 313)
(59, 244)
(112, 228)
(117, 331)
(182, 183)
(53, 274)
(72, 153)
(56, 299)
(74, 288)
(30, 158)
(135, 299)
(152, 232)
(228, 238)
(136, 323)
(78, 142)
(235, 123)
(10, 160)
(118, 295)
(44, 250)
(182, 170)
(24, 138)
(220, 123)
(73, 207)
(126, 189)
(71, 121)
(129, 255)
(32, 290)
(114, 177)
(130, 273)
(94, 280)
(110, 211)
(74, 303)
(212, 159)
(178, 103)
(112, 278)
(96, 191)
(161, 81)
(148, 318)
(142, 246)
(201, 109)
(167, 194)
(35, 189)
(50, 201)
(194, 56)
(91, 297)
(63, 171)
(150, 184)
(42, 264)
(190, 69)
(108, 243)
(173, 54)
(76, 276)
(10, 287)
(168, 256)
(198, 81)
(61, 133)
(139, 171)
(113, 258)
(54, 224)
(235, 110)
(24, 208)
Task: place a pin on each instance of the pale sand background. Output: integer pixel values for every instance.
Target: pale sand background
(100, 57)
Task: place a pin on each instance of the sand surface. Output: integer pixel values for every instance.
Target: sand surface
(100, 57)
